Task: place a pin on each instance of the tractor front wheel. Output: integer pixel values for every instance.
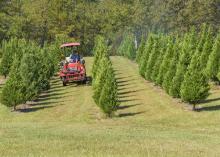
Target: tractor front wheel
(64, 81)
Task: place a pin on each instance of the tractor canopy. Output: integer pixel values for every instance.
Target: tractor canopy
(69, 45)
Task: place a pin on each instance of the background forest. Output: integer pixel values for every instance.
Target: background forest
(82, 20)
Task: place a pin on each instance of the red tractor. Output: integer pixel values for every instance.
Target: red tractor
(72, 69)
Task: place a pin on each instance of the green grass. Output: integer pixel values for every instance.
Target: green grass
(66, 122)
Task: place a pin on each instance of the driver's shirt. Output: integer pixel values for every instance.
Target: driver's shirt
(75, 57)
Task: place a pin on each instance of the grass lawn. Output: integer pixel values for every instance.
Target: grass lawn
(66, 122)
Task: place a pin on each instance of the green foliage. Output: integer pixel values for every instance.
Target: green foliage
(152, 58)
(187, 50)
(13, 92)
(108, 100)
(104, 82)
(195, 86)
(165, 62)
(127, 47)
(140, 50)
(160, 58)
(178, 64)
(43, 20)
(214, 59)
(168, 77)
(207, 48)
(30, 73)
(146, 53)
(101, 51)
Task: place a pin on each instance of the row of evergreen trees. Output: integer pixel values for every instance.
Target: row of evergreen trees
(29, 68)
(104, 81)
(127, 47)
(182, 66)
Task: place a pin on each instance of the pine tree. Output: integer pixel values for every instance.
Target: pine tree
(108, 100)
(99, 82)
(195, 86)
(161, 53)
(214, 60)
(172, 68)
(207, 48)
(187, 51)
(100, 51)
(127, 47)
(14, 89)
(152, 59)
(140, 50)
(147, 51)
(8, 49)
(165, 62)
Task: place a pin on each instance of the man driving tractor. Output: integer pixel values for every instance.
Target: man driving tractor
(75, 57)
(73, 67)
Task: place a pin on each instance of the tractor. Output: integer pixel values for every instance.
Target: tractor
(72, 68)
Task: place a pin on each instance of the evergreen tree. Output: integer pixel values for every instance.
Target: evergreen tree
(8, 50)
(99, 82)
(195, 86)
(161, 53)
(140, 50)
(147, 51)
(171, 69)
(214, 60)
(127, 47)
(207, 48)
(29, 71)
(187, 51)
(108, 100)
(165, 62)
(100, 51)
(152, 58)
(13, 92)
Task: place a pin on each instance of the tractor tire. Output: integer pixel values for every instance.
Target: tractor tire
(64, 83)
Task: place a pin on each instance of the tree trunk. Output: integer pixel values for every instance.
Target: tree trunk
(194, 107)
(14, 107)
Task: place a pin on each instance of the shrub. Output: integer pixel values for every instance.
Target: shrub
(214, 60)
(104, 83)
(127, 47)
(167, 82)
(152, 58)
(13, 92)
(163, 68)
(140, 50)
(195, 86)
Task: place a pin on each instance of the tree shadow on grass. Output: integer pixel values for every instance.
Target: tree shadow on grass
(127, 106)
(26, 110)
(209, 100)
(125, 81)
(126, 96)
(208, 108)
(127, 100)
(131, 91)
(121, 78)
(46, 103)
(130, 114)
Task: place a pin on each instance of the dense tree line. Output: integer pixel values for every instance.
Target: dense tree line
(104, 81)
(181, 65)
(43, 20)
(29, 68)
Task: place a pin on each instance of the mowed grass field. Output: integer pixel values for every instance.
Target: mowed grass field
(65, 122)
